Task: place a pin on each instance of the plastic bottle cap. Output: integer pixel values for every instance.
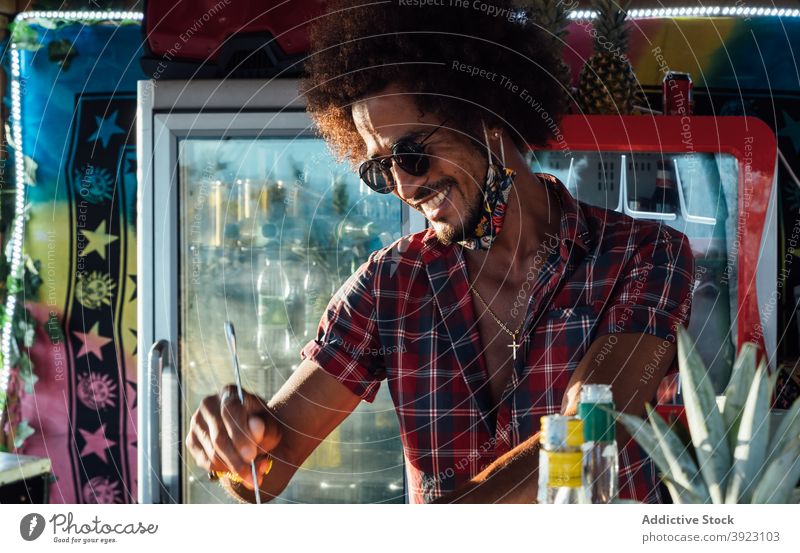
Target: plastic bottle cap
(596, 393)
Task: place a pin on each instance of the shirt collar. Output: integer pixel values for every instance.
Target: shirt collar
(573, 221)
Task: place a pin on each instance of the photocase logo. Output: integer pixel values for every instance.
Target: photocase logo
(31, 526)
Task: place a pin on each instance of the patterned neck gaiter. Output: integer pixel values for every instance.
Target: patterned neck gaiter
(493, 211)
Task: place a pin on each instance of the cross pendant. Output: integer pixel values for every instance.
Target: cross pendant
(514, 345)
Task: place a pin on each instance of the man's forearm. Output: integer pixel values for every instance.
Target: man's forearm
(513, 478)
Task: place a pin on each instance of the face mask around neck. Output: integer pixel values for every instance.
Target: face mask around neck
(496, 189)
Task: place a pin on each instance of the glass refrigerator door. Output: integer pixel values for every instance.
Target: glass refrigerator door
(269, 227)
(694, 193)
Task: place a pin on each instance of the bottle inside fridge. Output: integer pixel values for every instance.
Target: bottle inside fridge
(271, 228)
(273, 340)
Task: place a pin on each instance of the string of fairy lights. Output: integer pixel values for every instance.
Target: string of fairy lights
(697, 11)
(15, 245)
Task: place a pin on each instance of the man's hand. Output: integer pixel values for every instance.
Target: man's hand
(225, 436)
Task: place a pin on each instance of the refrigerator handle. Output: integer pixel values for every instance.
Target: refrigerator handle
(160, 481)
(149, 402)
(170, 431)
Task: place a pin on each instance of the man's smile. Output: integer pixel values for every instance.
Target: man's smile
(434, 204)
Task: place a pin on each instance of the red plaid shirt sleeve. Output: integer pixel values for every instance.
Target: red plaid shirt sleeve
(347, 345)
(654, 294)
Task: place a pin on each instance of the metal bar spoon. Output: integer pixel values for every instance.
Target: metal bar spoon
(230, 336)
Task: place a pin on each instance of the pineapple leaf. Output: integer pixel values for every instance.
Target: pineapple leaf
(744, 370)
(674, 492)
(705, 421)
(682, 469)
(752, 439)
(645, 437)
(788, 430)
(679, 494)
(780, 478)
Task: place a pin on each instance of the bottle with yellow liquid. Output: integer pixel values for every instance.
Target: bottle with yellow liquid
(561, 460)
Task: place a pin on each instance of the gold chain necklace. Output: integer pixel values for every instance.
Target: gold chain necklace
(514, 345)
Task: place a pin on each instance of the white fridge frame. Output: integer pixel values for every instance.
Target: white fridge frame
(166, 112)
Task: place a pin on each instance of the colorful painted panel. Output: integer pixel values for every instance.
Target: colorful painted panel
(78, 123)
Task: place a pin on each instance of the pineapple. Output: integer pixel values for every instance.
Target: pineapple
(740, 454)
(551, 16)
(607, 83)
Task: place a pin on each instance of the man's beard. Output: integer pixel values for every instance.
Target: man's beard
(448, 234)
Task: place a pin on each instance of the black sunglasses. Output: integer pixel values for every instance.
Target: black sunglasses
(408, 154)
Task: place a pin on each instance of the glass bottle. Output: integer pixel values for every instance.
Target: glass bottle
(252, 216)
(600, 460)
(560, 460)
(317, 291)
(665, 194)
(273, 339)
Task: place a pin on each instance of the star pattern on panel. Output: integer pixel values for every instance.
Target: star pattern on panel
(791, 130)
(132, 394)
(96, 442)
(130, 166)
(135, 284)
(106, 128)
(97, 240)
(135, 335)
(92, 342)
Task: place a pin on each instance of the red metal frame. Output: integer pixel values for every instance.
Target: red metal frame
(186, 30)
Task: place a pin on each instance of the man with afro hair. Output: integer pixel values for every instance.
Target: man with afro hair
(514, 296)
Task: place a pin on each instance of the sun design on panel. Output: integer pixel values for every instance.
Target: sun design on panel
(96, 391)
(95, 290)
(101, 490)
(96, 185)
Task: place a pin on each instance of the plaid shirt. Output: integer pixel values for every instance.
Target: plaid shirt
(406, 315)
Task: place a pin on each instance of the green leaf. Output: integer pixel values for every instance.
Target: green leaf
(25, 329)
(744, 370)
(645, 437)
(682, 469)
(24, 36)
(705, 421)
(30, 167)
(752, 440)
(25, 365)
(31, 265)
(788, 430)
(21, 433)
(13, 354)
(29, 380)
(678, 493)
(777, 484)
